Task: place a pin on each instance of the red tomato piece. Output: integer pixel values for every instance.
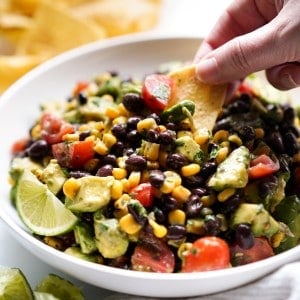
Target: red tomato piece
(143, 192)
(153, 257)
(245, 88)
(206, 254)
(260, 250)
(54, 128)
(19, 145)
(73, 155)
(80, 87)
(262, 166)
(156, 91)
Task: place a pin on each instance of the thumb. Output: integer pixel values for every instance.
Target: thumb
(284, 77)
(241, 56)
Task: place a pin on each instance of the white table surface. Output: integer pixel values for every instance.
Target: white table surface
(178, 16)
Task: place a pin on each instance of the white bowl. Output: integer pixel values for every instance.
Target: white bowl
(134, 55)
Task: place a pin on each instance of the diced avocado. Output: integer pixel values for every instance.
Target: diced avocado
(186, 146)
(110, 240)
(76, 252)
(233, 171)
(288, 212)
(93, 194)
(262, 223)
(54, 176)
(84, 236)
(19, 164)
(95, 107)
(179, 111)
(111, 86)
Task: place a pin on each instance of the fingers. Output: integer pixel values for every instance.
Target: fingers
(284, 77)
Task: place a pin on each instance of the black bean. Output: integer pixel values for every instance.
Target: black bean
(244, 236)
(176, 161)
(118, 148)
(133, 102)
(193, 206)
(132, 122)
(156, 178)
(167, 137)
(230, 204)
(136, 163)
(267, 186)
(274, 140)
(159, 215)
(78, 174)
(171, 126)
(291, 143)
(176, 232)
(109, 159)
(82, 98)
(208, 169)
(168, 202)
(141, 219)
(105, 171)
(288, 115)
(155, 117)
(199, 191)
(193, 181)
(240, 106)
(38, 149)
(134, 138)
(212, 225)
(152, 136)
(84, 134)
(129, 151)
(247, 133)
(119, 131)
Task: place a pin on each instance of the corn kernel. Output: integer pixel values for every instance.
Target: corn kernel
(134, 179)
(195, 226)
(235, 139)
(36, 132)
(222, 154)
(119, 120)
(173, 176)
(225, 194)
(116, 190)
(183, 248)
(71, 137)
(122, 110)
(125, 184)
(119, 173)
(112, 112)
(176, 217)
(150, 151)
(162, 158)
(129, 225)
(201, 136)
(259, 133)
(182, 133)
(121, 203)
(167, 186)
(101, 148)
(220, 135)
(71, 187)
(190, 170)
(53, 242)
(180, 193)
(146, 124)
(159, 230)
(208, 200)
(109, 139)
(277, 238)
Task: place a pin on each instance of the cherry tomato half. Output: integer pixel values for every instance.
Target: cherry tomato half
(19, 145)
(73, 155)
(206, 254)
(54, 128)
(262, 166)
(156, 91)
(144, 193)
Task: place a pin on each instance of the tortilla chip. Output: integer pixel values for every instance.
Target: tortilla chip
(26, 7)
(13, 67)
(55, 30)
(121, 17)
(208, 99)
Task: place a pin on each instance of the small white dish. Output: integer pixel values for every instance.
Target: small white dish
(132, 55)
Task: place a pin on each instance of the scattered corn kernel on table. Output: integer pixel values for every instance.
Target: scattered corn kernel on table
(179, 17)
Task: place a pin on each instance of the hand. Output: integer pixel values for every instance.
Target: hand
(254, 35)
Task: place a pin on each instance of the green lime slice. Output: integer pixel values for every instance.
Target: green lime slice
(40, 210)
(44, 296)
(13, 285)
(59, 288)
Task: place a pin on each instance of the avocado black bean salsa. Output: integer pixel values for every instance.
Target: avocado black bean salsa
(171, 198)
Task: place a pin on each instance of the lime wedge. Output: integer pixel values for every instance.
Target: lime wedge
(40, 210)
(59, 288)
(13, 285)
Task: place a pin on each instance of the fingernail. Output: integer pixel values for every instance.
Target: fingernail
(207, 69)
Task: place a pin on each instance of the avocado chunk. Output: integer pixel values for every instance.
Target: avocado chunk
(76, 252)
(179, 111)
(288, 212)
(94, 193)
(110, 240)
(54, 176)
(233, 171)
(186, 146)
(84, 236)
(261, 222)
(19, 164)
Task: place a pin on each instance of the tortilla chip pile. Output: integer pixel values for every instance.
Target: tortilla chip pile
(32, 31)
